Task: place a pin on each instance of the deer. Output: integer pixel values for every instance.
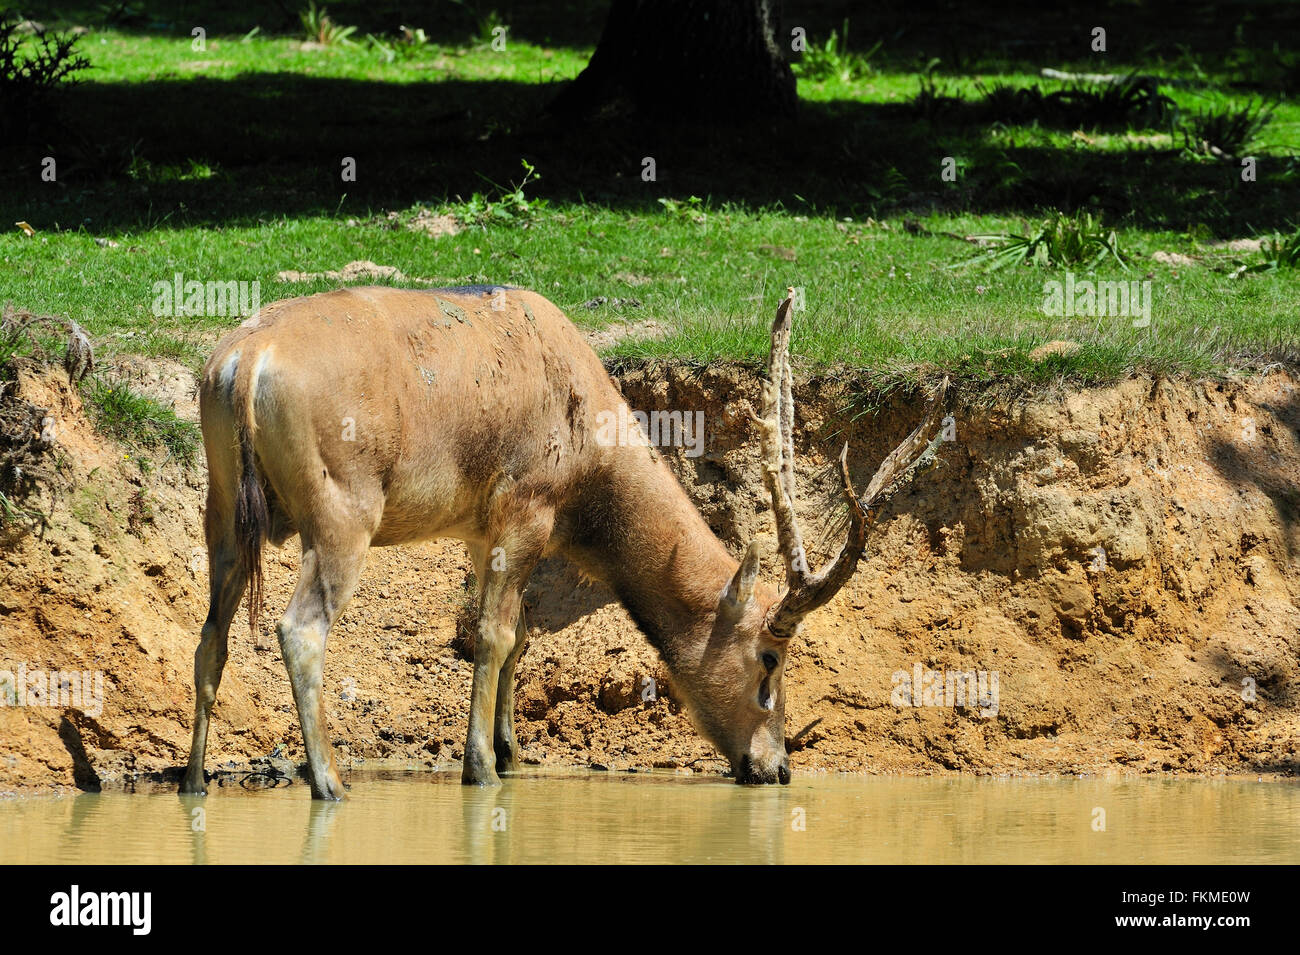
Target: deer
(377, 416)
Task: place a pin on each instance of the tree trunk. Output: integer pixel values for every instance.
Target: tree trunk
(696, 59)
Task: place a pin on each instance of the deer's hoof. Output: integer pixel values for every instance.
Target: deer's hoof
(331, 790)
(479, 768)
(478, 773)
(508, 762)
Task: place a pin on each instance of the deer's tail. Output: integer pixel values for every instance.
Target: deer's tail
(252, 517)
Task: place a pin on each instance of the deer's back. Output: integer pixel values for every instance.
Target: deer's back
(420, 399)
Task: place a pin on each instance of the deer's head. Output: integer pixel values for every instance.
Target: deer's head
(735, 682)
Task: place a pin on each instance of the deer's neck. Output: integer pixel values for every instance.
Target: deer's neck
(637, 531)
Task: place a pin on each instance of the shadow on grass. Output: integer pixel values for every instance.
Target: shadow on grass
(1240, 38)
(203, 151)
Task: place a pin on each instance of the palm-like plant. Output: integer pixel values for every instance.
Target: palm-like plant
(1059, 240)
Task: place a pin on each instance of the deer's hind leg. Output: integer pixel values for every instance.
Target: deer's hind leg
(226, 583)
(331, 566)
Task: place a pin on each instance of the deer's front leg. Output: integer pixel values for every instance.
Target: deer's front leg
(490, 651)
(519, 530)
(507, 749)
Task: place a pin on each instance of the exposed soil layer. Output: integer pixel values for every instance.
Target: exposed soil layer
(1125, 559)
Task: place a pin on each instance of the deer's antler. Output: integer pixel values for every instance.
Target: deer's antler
(809, 590)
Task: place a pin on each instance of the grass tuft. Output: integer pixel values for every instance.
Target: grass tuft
(1131, 103)
(139, 420)
(1060, 240)
(509, 206)
(321, 28)
(1225, 130)
(832, 60)
(1276, 252)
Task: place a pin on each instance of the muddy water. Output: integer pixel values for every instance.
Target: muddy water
(427, 816)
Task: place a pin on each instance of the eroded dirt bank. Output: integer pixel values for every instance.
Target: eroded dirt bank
(1125, 559)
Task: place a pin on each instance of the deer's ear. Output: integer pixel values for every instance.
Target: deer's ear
(741, 589)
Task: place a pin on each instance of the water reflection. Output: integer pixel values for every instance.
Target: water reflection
(661, 818)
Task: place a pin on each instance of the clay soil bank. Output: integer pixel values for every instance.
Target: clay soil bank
(1125, 559)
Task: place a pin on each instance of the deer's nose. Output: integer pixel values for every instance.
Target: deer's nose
(748, 773)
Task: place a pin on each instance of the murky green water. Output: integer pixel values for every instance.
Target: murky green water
(657, 818)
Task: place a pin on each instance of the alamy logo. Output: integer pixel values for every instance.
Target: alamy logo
(949, 688)
(1098, 299)
(75, 907)
(59, 688)
(179, 298)
(660, 429)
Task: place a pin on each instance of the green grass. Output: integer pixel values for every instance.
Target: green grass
(1277, 252)
(877, 294)
(850, 204)
(1057, 241)
(141, 421)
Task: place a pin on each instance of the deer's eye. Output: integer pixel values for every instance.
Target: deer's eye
(770, 660)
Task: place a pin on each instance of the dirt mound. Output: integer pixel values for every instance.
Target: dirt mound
(1121, 563)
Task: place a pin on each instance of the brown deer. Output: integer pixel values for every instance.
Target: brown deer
(374, 416)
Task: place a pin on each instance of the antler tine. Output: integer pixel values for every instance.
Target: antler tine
(907, 453)
(814, 590)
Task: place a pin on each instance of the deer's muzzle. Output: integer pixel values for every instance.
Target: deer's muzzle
(749, 773)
